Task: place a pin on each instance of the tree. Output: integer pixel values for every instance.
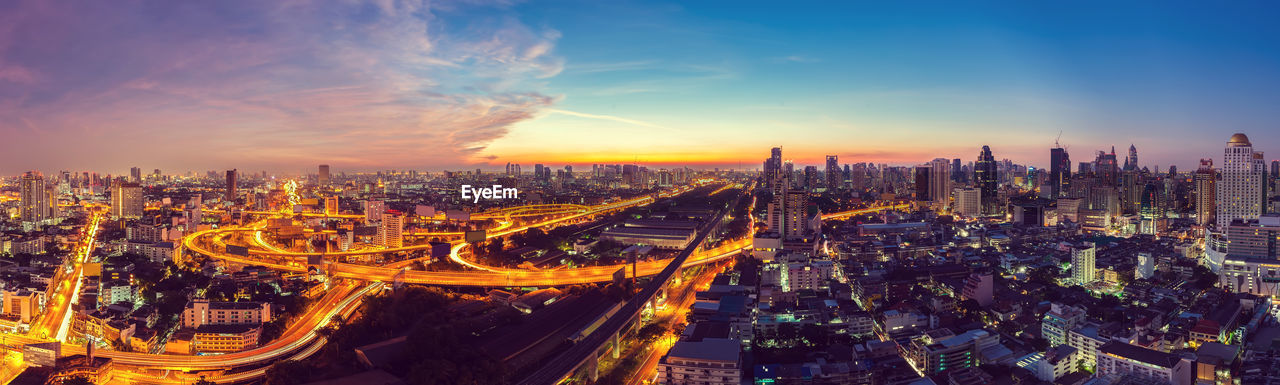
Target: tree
(76, 380)
(288, 372)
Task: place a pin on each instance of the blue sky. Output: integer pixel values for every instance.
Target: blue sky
(390, 84)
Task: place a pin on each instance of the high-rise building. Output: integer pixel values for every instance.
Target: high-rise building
(1258, 238)
(968, 202)
(126, 200)
(331, 205)
(957, 173)
(1131, 163)
(810, 178)
(230, 195)
(135, 174)
(1059, 171)
(922, 180)
(940, 183)
(323, 176)
(984, 174)
(1240, 190)
(1107, 168)
(1205, 192)
(835, 178)
(35, 200)
(1083, 259)
(373, 211)
(1146, 266)
(391, 231)
(1058, 322)
(774, 177)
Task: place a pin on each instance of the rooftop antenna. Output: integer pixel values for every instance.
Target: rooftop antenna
(1055, 140)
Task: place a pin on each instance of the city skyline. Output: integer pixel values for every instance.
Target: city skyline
(369, 86)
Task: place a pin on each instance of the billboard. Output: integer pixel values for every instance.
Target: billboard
(473, 236)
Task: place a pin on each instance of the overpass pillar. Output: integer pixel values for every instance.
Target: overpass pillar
(617, 346)
(594, 370)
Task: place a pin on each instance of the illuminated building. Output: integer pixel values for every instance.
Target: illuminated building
(1250, 275)
(1059, 321)
(1240, 190)
(1059, 171)
(373, 211)
(968, 202)
(940, 183)
(1205, 192)
(21, 304)
(787, 214)
(331, 205)
(1083, 258)
(1255, 238)
(711, 361)
(390, 233)
(939, 350)
(1118, 358)
(135, 174)
(200, 312)
(984, 174)
(126, 200)
(35, 200)
(835, 178)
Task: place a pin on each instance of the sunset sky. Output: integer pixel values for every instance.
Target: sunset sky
(285, 85)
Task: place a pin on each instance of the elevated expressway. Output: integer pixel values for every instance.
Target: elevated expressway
(302, 338)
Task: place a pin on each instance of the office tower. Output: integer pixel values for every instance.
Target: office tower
(391, 231)
(1083, 257)
(323, 176)
(1205, 191)
(1152, 212)
(1239, 192)
(957, 173)
(1106, 167)
(230, 195)
(940, 183)
(35, 200)
(135, 174)
(373, 211)
(835, 178)
(984, 175)
(1059, 171)
(773, 174)
(921, 178)
(126, 200)
(1131, 163)
(1275, 169)
(810, 178)
(787, 214)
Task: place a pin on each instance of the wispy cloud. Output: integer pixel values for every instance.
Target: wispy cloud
(610, 118)
(279, 84)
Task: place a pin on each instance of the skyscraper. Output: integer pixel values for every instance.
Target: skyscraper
(135, 174)
(1083, 260)
(35, 201)
(984, 174)
(1240, 192)
(391, 231)
(1059, 170)
(126, 200)
(810, 177)
(1106, 167)
(1131, 163)
(323, 178)
(231, 186)
(835, 178)
(1205, 191)
(940, 183)
(787, 214)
